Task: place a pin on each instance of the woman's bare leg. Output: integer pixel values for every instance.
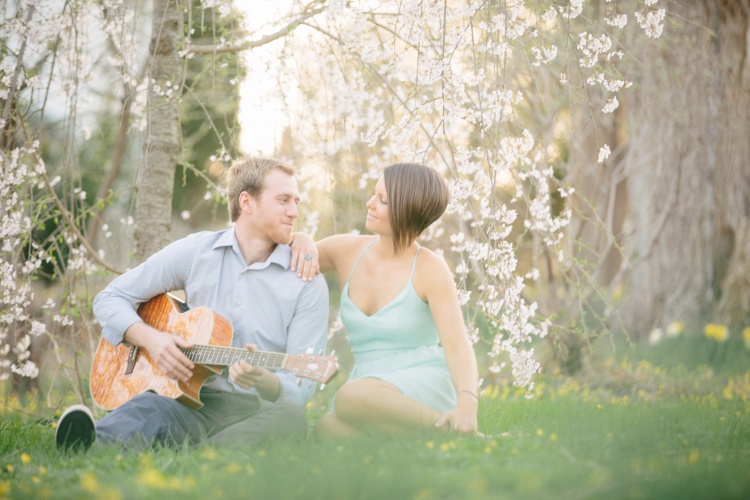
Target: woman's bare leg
(331, 427)
(374, 404)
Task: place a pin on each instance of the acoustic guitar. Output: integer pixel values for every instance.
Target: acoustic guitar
(121, 372)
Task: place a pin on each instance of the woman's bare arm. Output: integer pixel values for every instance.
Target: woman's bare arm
(436, 280)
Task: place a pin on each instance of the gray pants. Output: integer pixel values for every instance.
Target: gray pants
(225, 419)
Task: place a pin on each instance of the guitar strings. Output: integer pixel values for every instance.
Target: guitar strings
(226, 356)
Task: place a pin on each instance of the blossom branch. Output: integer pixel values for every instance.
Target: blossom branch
(65, 214)
(16, 73)
(223, 49)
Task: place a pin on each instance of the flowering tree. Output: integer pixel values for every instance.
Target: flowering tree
(493, 94)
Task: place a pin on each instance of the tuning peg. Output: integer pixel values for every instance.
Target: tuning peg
(309, 350)
(320, 352)
(322, 386)
(309, 384)
(299, 381)
(333, 352)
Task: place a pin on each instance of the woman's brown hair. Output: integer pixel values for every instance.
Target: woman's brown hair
(417, 197)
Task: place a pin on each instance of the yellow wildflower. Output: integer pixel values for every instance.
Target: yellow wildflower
(539, 432)
(717, 332)
(89, 482)
(746, 337)
(430, 444)
(209, 454)
(109, 494)
(694, 456)
(25, 458)
(553, 437)
(233, 468)
(250, 469)
(450, 445)
(727, 392)
(35, 479)
(174, 484)
(4, 488)
(152, 478)
(42, 470)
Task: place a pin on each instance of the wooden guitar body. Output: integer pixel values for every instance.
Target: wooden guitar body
(112, 385)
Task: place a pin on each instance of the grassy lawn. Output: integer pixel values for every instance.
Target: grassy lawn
(625, 429)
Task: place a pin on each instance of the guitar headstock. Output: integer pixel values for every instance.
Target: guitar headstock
(319, 367)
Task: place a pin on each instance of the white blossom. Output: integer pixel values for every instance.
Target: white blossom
(617, 20)
(612, 104)
(651, 21)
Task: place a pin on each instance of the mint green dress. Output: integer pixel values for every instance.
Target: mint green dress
(399, 344)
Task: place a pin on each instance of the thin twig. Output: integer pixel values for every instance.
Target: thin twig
(222, 49)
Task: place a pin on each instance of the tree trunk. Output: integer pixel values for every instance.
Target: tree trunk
(154, 186)
(687, 172)
(732, 262)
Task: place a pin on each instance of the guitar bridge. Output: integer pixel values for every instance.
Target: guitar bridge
(132, 355)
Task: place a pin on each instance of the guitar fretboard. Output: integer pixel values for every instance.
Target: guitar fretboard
(227, 356)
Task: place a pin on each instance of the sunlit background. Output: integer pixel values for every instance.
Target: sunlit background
(261, 113)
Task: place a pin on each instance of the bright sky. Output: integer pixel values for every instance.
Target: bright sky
(260, 115)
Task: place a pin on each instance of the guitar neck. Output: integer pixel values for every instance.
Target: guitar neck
(227, 356)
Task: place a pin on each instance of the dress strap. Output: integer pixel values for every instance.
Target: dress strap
(360, 258)
(414, 265)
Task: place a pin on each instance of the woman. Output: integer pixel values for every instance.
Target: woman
(398, 301)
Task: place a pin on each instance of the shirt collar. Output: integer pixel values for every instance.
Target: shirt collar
(281, 255)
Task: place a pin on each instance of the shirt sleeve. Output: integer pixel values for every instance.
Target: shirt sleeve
(308, 329)
(167, 270)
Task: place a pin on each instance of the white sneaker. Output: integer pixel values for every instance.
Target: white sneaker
(75, 429)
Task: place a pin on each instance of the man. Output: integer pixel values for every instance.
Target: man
(243, 274)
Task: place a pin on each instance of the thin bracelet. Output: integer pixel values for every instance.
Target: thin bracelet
(467, 391)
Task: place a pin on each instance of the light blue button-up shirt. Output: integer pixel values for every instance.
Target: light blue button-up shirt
(267, 304)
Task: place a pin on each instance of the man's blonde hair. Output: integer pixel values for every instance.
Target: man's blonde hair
(247, 174)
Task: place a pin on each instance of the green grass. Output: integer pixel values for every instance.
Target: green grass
(626, 428)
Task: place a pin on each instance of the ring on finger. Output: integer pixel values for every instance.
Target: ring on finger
(308, 257)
